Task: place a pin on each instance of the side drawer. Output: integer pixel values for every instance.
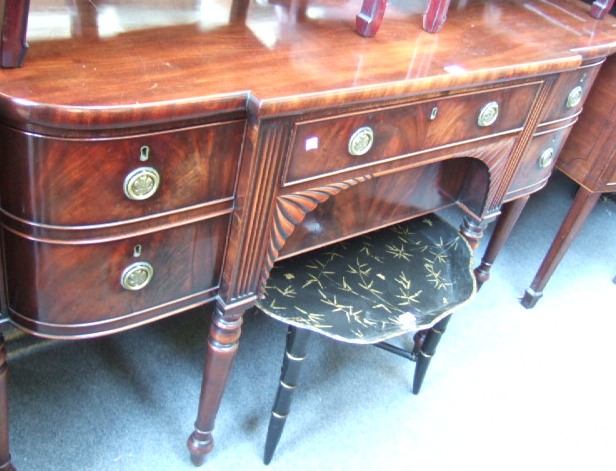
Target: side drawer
(327, 145)
(72, 182)
(84, 289)
(537, 162)
(569, 93)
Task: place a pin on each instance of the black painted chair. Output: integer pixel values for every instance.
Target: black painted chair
(405, 279)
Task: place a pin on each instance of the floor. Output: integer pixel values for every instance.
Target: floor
(509, 388)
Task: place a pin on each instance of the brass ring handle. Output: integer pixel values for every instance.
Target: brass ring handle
(137, 276)
(361, 141)
(546, 157)
(575, 97)
(141, 183)
(488, 114)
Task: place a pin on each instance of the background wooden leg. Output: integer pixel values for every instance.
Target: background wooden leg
(504, 225)
(435, 15)
(5, 455)
(223, 341)
(584, 201)
(368, 21)
(600, 8)
(295, 354)
(14, 25)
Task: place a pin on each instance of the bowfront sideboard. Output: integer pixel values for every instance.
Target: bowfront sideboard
(153, 163)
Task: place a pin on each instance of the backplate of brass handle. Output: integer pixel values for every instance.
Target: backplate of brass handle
(488, 114)
(575, 97)
(137, 276)
(361, 141)
(141, 183)
(546, 157)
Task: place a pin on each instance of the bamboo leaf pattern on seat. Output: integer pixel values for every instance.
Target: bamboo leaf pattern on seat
(372, 287)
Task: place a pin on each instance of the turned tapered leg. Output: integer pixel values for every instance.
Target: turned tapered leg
(5, 455)
(295, 353)
(223, 341)
(504, 225)
(473, 231)
(583, 204)
(427, 351)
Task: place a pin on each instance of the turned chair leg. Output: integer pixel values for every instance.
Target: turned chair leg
(295, 353)
(426, 350)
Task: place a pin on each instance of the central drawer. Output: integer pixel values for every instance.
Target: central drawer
(335, 144)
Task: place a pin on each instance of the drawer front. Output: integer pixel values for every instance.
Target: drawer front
(82, 288)
(83, 182)
(537, 162)
(327, 145)
(569, 93)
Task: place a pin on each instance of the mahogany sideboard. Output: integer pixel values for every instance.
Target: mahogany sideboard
(151, 163)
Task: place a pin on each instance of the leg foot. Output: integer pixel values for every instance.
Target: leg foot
(199, 444)
(295, 353)
(509, 216)
(530, 298)
(583, 204)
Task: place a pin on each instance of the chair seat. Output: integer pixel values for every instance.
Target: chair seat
(401, 279)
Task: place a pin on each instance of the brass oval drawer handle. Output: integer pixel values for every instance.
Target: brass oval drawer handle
(575, 97)
(361, 141)
(137, 276)
(141, 183)
(546, 157)
(488, 114)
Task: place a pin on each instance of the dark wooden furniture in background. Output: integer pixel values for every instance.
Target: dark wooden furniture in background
(13, 32)
(588, 158)
(368, 20)
(154, 165)
(600, 8)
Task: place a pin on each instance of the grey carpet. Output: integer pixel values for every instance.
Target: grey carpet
(509, 389)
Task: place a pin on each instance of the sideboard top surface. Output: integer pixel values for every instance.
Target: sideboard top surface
(110, 63)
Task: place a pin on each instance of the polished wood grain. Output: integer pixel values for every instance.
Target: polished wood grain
(186, 262)
(80, 182)
(405, 130)
(247, 110)
(319, 62)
